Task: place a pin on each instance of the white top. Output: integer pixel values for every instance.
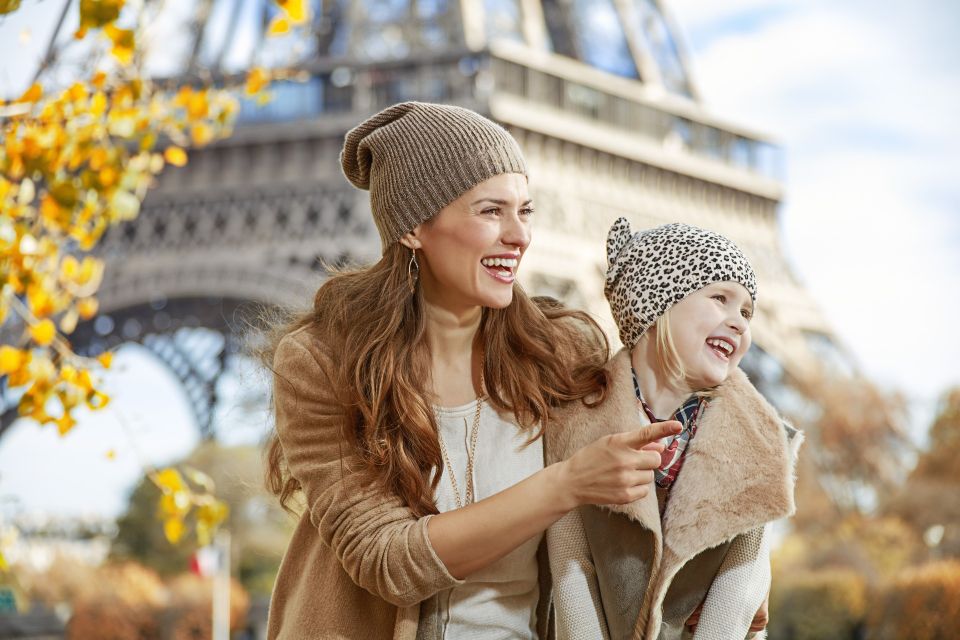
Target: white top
(499, 601)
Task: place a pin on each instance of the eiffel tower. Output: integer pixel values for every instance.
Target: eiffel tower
(597, 92)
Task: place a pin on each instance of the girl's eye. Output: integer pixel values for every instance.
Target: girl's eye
(746, 314)
(719, 296)
(528, 211)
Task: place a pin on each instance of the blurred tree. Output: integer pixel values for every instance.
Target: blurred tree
(259, 528)
(73, 163)
(928, 501)
(857, 450)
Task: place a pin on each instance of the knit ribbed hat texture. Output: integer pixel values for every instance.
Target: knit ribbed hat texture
(650, 271)
(416, 158)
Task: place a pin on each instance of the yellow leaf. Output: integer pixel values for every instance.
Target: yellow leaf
(33, 94)
(91, 271)
(68, 374)
(99, 13)
(69, 268)
(97, 401)
(173, 529)
(43, 332)
(279, 25)
(175, 156)
(87, 308)
(169, 479)
(99, 79)
(65, 423)
(11, 359)
(7, 6)
(98, 105)
(77, 92)
(198, 106)
(296, 10)
(201, 134)
(257, 79)
(39, 301)
(106, 359)
(108, 177)
(123, 43)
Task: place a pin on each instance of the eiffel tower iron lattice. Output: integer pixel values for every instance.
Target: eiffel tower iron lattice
(597, 93)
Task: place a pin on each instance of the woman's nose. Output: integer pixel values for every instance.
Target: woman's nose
(516, 231)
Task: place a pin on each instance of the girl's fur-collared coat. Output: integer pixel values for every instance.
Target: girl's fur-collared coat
(645, 576)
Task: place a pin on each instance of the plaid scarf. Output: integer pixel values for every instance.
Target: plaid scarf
(676, 445)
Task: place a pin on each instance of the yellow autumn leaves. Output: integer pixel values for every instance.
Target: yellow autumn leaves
(179, 498)
(73, 163)
(292, 13)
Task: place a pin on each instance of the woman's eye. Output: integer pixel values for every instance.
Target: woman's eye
(527, 211)
(491, 210)
(719, 296)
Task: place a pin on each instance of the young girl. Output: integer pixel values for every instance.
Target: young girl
(693, 557)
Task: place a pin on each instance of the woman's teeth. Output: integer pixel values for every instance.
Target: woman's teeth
(722, 346)
(510, 263)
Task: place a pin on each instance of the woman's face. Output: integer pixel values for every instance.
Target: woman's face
(711, 331)
(469, 253)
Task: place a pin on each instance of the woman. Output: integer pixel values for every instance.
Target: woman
(410, 403)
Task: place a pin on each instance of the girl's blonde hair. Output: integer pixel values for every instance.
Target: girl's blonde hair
(667, 356)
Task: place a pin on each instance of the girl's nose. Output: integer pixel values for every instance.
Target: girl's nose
(738, 323)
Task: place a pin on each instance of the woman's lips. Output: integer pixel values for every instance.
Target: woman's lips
(500, 274)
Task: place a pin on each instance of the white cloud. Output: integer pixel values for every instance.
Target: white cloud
(863, 99)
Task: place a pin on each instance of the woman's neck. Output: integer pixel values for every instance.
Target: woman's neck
(450, 336)
(663, 395)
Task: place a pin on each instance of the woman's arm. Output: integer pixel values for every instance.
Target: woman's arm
(614, 469)
(380, 543)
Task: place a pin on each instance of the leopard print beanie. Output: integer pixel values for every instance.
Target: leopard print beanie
(650, 271)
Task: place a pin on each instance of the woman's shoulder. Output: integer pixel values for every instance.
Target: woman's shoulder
(306, 342)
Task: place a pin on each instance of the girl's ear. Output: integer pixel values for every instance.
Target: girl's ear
(617, 239)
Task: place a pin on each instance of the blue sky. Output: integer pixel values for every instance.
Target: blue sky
(862, 95)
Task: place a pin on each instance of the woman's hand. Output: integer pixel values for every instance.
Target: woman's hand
(615, 469)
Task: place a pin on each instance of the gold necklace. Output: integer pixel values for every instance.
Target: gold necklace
(471, 453)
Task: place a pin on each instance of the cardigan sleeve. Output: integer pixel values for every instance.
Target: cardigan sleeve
(739, 588)
(381, 545)
(576, 591)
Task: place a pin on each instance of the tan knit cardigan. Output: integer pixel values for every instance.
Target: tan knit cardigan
(359, 562)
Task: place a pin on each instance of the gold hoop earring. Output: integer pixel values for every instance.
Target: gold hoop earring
(413, 270)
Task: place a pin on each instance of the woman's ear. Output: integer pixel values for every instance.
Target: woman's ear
(411, 240)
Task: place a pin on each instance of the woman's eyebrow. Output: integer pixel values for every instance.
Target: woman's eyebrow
(499, 201)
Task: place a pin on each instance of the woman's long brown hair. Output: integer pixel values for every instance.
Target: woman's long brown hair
(538, 355)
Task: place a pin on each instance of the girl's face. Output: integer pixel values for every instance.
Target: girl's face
(469, 253)
(711, 331)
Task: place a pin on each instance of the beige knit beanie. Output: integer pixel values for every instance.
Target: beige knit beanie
(416, 158)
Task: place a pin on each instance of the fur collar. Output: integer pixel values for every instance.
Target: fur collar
(738, 473)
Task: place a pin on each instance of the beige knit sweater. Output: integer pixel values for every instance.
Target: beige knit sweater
(359, 563)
